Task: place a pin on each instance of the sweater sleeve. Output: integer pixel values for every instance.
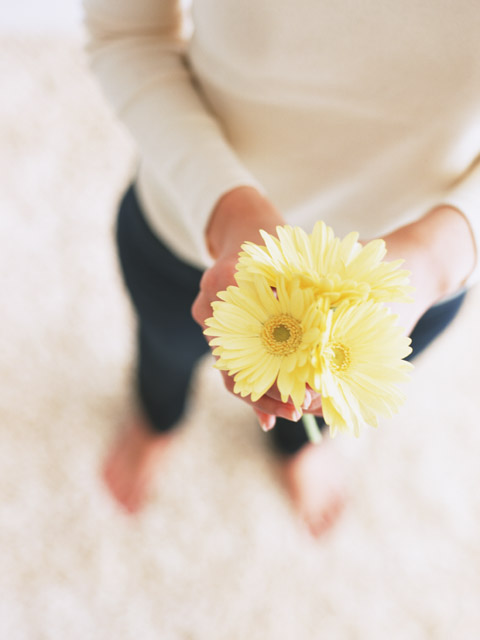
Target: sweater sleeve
(137, 52)
(464, 195)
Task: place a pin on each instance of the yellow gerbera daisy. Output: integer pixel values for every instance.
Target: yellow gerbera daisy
(386, 282)
(264, 335)
(358, 365)
(339, 269)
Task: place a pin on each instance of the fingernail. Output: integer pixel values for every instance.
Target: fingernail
(267, 423)
(290, 414)
(307, 401)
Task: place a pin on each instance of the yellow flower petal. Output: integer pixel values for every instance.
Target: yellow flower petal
(265, 334)
(359, 364)
(344, 269)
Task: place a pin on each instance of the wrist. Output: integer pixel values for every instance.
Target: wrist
(237, 217)
(438, 250)
(451, 249)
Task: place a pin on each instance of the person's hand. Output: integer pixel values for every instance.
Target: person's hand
(238, 217)
(439, 252)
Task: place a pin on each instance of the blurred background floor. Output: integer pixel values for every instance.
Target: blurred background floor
(218, 553)
(48, 16)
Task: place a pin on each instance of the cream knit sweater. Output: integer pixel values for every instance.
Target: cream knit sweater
(363, 114)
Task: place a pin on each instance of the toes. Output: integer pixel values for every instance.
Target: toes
(114, 478)
(127, 486)
(318, 523)
(135, 499)
(322, 519)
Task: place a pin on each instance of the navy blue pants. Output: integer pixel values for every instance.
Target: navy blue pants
(170, 343)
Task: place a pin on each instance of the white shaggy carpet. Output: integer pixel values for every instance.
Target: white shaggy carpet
(218, 554)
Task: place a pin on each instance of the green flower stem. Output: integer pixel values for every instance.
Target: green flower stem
(311, 427)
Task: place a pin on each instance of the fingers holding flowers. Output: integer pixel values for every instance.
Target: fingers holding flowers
(307, 324)
(220, 277)
(264, 404)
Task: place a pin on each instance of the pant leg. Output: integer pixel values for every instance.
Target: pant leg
(433, 323)
(162, 289)
(289, 437)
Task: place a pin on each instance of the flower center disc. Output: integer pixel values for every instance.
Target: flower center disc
(282, 335)
(339, 357)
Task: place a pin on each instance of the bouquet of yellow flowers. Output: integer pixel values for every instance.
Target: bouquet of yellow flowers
(310, 311)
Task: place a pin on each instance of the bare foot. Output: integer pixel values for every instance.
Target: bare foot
(317, 482)
(130, 465)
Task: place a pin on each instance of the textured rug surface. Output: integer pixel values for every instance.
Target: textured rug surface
(218, 553)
